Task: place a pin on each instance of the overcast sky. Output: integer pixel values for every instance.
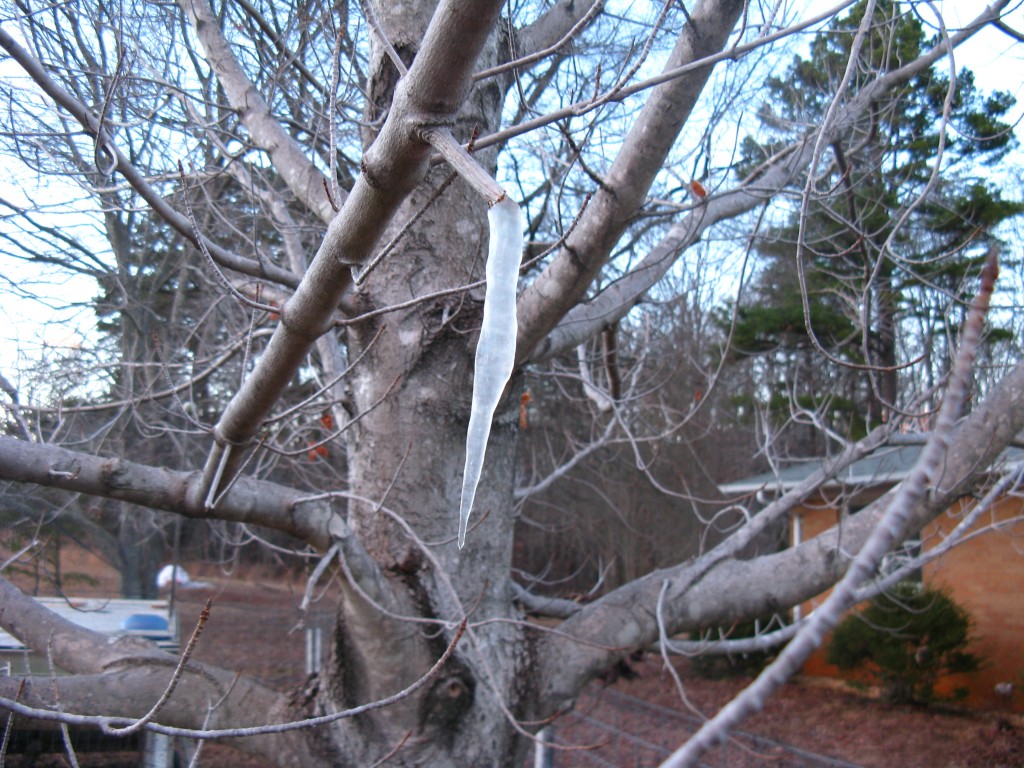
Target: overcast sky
(996, 59)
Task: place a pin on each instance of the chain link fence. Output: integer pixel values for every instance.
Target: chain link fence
(611, 729)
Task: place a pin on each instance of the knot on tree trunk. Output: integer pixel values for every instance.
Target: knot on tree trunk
(445, 704)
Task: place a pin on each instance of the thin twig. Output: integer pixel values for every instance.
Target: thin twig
(582, 107)
(141, 723)
(394, 751)
(200, 242)
(9, 727)
(312, 446)
(287, 413)
(371, 19)
(313, 580)
(166, 370)
(360, 277)
(65, 734)
(545, 52)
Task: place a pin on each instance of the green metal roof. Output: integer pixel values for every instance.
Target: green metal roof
(887, 465)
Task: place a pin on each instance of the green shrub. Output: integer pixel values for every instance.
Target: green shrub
(906, 640)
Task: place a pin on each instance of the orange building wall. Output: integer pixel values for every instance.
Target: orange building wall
(813, 521)
(986, 576)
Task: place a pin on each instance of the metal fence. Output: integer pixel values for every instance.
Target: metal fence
(612, 729)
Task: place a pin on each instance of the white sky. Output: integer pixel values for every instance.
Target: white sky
(34, 330)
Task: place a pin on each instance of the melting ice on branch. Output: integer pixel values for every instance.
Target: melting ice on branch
(496, 350)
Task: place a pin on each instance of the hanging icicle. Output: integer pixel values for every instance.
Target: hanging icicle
(496, 350)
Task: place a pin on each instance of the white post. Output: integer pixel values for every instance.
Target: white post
(156, 750)
(543, 754)
(314, 649)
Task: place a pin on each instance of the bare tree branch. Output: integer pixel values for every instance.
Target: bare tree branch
(548, 34)
(369, 411)
(584, 320)
(297, 170)
(123, 677)
(624, 619)
(892, 527)
(127, 169)
(561, 285)
(249, 501)
(429, 95)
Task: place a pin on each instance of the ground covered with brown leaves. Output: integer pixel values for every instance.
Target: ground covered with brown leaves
(818, 717)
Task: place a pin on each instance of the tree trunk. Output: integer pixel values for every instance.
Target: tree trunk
(406, 455)
(411, 393)
(140, 548)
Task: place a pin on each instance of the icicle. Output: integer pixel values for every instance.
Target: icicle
(496, 350)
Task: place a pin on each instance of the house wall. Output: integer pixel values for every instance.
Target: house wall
(985, 575)
(815, 519)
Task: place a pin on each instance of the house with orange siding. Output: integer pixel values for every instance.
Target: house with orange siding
(984, 573)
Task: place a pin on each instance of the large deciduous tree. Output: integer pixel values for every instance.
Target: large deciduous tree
(310, 152)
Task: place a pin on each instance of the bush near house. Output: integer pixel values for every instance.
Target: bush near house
(906, 639)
